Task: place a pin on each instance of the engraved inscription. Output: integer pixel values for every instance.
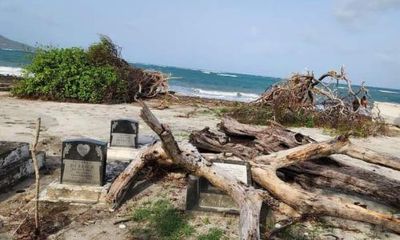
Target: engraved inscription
(213, 200)
(236, 170)
(79, 171)
(123, 140)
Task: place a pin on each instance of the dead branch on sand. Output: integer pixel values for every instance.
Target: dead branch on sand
(33, 150)
(329, 100)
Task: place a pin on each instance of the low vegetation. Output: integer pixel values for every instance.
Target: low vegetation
(95, 75)
(160, 220)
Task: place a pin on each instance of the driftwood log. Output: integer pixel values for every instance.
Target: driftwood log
(243, 141)
(271, 151)
(293, 162)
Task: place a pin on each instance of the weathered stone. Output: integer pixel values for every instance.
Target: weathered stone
(16, 163)
(85, 194)
(124, 133)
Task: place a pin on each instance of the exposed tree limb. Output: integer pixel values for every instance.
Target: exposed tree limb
(264, 172)
(248, 199)
(125, 180)
(33, 149)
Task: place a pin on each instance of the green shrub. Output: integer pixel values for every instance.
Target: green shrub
(97, 75)
(66, 74)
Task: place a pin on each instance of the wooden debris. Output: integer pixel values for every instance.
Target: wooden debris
(272, 151)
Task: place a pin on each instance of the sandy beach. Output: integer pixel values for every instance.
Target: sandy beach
(71, 120)
(389, 111)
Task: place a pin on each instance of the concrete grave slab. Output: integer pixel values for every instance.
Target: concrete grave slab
(16, 163)
(85, 194)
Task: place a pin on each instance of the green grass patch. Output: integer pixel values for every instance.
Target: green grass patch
(161, 220)
(213, 234)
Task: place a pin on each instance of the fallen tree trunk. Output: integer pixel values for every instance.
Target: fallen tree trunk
(247, 198)
(306, 202)
(344, 178)
(351, 180)
(264, 171)
(265, 167)
(126, 179)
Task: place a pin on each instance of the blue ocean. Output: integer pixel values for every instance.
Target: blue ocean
(203, 83)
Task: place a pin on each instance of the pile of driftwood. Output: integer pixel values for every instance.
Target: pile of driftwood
(329, 100)
(279, 159)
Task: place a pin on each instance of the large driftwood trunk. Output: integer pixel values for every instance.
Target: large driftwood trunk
(329, 174)
(258, 146)
(293, 162)
(237, 138)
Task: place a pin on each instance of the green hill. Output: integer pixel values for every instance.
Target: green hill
(6, 43)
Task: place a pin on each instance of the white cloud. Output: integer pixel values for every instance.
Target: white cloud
(351, 11)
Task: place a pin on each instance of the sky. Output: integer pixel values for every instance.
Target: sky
(262, 37)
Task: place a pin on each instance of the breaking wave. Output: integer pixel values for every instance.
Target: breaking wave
(387, 91)
(226, 75)
(223, 95)
(13, 71)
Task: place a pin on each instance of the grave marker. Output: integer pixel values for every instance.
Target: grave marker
(201, 195)
(124, 133)
(83, 161)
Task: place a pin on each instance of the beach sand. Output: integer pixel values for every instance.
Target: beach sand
(71, 120)
(389, 111)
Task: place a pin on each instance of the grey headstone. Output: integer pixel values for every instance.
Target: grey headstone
(202, 195)
(124, 133)
(83, 161)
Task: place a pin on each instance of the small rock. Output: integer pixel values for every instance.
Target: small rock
(122, 226)
(278, 225)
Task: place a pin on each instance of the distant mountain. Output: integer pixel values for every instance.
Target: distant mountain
(6, 43)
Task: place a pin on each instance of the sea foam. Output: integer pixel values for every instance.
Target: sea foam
(387, 91)
(238, 96)
(226, 75)
(13, 71)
